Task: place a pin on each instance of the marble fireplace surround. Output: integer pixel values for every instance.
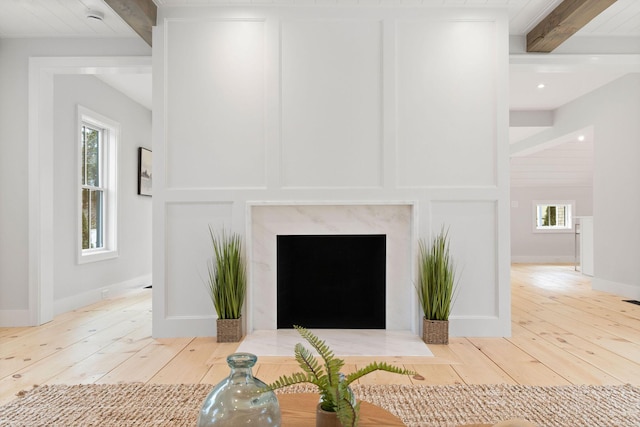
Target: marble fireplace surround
(267, 220)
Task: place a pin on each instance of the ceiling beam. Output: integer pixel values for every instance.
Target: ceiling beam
(563, 22)
(141, 15)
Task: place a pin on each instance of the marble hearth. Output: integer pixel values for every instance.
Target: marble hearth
(343, 342)
(268, 220)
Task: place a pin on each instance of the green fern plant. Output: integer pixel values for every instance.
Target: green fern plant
(226, 280)
(333, 386)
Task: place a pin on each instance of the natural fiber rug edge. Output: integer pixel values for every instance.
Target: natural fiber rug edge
(417, 405)
(552, 406)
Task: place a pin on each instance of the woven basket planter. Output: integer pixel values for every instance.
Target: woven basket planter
(229, 330)
(435, 331)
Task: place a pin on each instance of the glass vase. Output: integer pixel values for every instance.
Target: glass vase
(238, 400)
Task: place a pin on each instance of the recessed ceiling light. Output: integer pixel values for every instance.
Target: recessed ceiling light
(581, 138)
(540, 85)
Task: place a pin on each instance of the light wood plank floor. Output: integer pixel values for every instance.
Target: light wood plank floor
(563, 333)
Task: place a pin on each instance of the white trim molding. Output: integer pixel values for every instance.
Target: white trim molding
(74, 302)
(40, 149)
(623, 289)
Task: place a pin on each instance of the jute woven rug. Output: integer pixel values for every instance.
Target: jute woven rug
(178, 405)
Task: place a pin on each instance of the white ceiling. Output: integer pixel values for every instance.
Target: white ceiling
(67, 18)
(566, 161)
(618, 26)
(559, 88)
(59, 18)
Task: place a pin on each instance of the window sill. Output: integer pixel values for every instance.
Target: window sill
(554, 231)
(95, 256)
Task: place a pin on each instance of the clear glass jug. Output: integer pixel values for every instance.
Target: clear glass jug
(238, 399)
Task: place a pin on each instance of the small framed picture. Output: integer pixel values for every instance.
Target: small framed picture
(145, 176)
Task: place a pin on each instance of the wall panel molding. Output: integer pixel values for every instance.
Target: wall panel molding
(216, 133)
(331, 103)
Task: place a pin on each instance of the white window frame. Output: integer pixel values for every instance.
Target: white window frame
(110, 137)
(568, 228)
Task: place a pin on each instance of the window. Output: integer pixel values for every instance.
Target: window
(97, 190)
(92, 187)
(553, 215)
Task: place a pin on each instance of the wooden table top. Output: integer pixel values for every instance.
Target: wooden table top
(299, 409)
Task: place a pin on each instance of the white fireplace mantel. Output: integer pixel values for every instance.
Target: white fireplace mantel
(267, 220)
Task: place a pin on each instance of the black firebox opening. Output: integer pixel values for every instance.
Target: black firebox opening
(331, 281)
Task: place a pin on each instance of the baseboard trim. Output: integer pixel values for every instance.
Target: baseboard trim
(92, 296)
(534, 259)
(623, 289)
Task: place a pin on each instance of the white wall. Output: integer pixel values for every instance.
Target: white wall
(534, 247)
(76, 285)
(616, 183)
(14, 160)
(13, 179)
(330, 105)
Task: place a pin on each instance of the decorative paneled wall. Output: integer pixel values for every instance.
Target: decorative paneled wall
(215, 104)
(331, 112)
(446, 126)
(331, 107)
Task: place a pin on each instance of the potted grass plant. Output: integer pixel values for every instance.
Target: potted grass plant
(227, 284)
(436, 282)
(337, 405)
